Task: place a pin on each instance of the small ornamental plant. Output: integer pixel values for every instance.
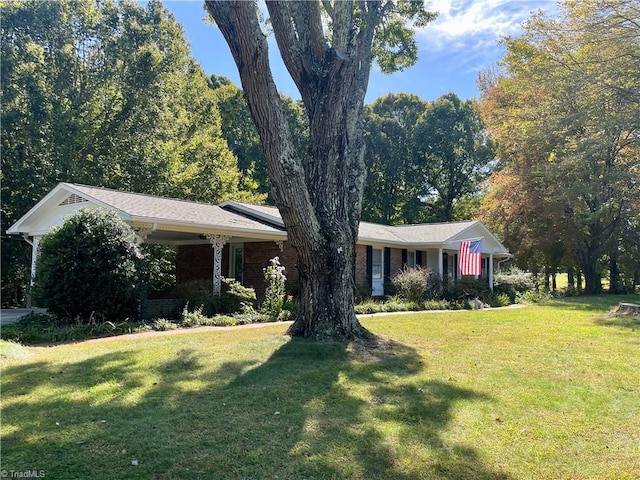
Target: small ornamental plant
(275, 294)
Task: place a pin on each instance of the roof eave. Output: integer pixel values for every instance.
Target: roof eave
(189, 227)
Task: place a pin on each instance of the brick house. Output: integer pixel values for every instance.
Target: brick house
(237, 240)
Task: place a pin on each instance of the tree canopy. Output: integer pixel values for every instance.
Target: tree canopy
(564, 110)
(426, 161)
(110, 96)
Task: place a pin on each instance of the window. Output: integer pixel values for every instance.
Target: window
(376, 263)
(411, 259)
(236, 262)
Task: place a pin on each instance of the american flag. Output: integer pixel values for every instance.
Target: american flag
(470, 258)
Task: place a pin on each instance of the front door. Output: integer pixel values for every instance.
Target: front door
(377, 281)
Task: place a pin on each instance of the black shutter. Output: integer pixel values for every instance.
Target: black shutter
(419, 258)
(370, 266)
(404, 257)
(455, 267)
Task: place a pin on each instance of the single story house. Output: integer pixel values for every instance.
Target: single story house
(237, 239)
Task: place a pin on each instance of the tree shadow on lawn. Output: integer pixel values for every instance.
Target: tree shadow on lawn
(592, 303)
(309, 411)
(633, 323)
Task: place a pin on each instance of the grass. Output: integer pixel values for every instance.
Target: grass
(538, 392)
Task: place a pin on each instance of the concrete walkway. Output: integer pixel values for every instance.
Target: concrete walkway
(11, 315)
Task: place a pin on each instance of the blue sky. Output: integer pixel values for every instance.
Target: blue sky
(452, 50)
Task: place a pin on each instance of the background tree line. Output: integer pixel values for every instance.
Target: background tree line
(103, 93)
(564, 109)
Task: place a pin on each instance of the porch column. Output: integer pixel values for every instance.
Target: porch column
(34, 255)
(218, 242)
(440, 267)
(490, 271)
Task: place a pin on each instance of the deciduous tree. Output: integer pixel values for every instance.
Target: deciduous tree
(565, 113)
(103, 93)
(454, 154)
(395, 183)
(328, 49)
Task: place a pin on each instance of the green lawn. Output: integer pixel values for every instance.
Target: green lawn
(538, 392)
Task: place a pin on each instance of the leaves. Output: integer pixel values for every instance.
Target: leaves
(110, 97)
(564, 112)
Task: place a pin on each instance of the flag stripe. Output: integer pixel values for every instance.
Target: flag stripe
(470, 257)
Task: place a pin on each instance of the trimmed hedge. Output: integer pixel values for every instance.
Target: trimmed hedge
(88, 269)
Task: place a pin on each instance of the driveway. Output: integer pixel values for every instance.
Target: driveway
(13, 314)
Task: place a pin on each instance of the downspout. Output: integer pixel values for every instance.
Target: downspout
(502, 261)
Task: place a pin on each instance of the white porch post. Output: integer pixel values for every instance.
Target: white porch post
(34, 255)
(490, 271)
(440, 267)
(218, 242)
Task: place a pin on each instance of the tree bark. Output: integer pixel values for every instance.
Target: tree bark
(615, 286)
(319, 196)
(571, 282)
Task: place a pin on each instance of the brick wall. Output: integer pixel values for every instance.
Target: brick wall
(195, 263)
(361, 267)
(256, 259)
(396, 261)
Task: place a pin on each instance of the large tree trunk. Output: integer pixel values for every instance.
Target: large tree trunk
(615, 285)
(592, 277)
(319, 196)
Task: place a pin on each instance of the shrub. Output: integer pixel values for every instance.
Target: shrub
(499, 300)
(198, 292)
(87, 270)
(514, 281)
(362, 293)
(162, 324)
(370, 306)
(193, 318)
(237, 296)
(38, 328)
(435, 285)
(411, 284)
(466, 289)
(159, 267)
(532, 297)
(436, 305)
(250, 315)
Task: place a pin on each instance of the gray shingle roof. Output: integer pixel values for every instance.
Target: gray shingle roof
(151, 208)
(242, 219)
(420, 234)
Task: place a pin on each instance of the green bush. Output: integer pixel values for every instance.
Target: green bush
(162, 325)
(193, 318)
(237, 296)
(411, 284)
(513, 282)
(37, 328)
(370, 306)
(435, 285)
(466, 289)
(532, 297)
(87, 270)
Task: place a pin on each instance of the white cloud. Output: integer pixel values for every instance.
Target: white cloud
(469, 23)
